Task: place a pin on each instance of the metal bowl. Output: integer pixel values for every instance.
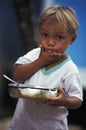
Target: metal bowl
(27, 92)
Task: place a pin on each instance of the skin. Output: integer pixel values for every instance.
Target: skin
(54, 41)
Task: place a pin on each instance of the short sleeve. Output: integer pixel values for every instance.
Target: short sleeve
(73, 86)
(29, 57)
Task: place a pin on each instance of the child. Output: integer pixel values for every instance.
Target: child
(50, 66)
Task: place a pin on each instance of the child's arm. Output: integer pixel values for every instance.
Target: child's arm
(25, 71)
(63, 100)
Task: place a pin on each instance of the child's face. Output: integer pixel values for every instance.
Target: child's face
(53, 37)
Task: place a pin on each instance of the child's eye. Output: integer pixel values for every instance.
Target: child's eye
(44, 34)
(59, 37)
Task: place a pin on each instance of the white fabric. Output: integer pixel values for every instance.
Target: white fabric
(35, 115)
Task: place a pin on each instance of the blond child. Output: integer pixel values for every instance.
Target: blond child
(50, 66)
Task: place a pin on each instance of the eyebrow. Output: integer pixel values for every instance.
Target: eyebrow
(58, 33)
(42, 29)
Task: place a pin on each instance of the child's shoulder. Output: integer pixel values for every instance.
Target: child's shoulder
(72, 67)
(33, 54)
(34, 50)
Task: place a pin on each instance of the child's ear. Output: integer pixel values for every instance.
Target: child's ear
(73, 39)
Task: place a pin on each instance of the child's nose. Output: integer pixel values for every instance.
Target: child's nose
(51, 42)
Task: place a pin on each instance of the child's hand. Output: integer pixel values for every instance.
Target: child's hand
(62, 100)
(50, 56)
(58, 100)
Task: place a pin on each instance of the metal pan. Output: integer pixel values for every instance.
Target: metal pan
(18, 90)
(34, 92)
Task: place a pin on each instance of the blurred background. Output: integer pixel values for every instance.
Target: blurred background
(19, 34)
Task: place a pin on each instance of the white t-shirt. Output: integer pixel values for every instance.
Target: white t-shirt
(35, 115)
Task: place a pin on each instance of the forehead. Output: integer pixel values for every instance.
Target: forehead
(52, 27)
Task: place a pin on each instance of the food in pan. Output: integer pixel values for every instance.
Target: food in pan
(34, 93)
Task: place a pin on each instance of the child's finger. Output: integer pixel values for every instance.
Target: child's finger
(42, 48)
(60, 90)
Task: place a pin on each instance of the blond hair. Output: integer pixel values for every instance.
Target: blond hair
(65, 16)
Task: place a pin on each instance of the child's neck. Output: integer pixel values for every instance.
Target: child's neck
(55, 63)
